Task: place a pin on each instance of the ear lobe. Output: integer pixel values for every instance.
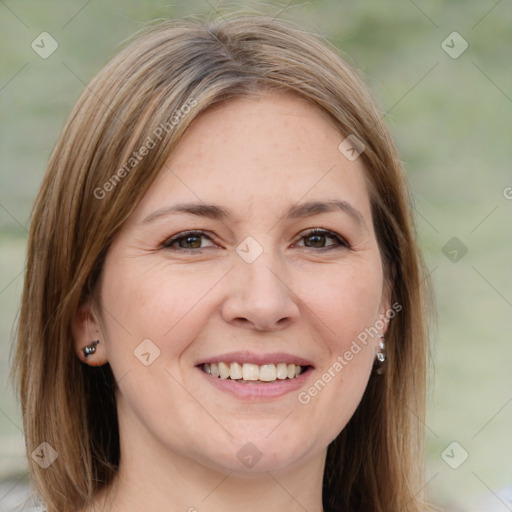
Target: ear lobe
(88, 338)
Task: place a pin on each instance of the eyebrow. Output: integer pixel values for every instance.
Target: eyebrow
(298, 211)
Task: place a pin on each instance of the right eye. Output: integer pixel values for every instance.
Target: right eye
(187, 241)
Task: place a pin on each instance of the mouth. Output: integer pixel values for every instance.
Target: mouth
(249, 376)
(250, 373)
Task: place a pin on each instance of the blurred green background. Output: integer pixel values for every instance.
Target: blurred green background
(452, 121)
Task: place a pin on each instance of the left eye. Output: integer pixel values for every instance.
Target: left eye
(317, 239)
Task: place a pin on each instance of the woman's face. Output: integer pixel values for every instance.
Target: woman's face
(251, 287)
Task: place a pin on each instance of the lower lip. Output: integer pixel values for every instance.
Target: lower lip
(254, 391)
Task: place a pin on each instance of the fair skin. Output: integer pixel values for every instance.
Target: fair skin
(304, 296)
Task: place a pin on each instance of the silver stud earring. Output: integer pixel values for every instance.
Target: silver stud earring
(381, 355)
(90, 349)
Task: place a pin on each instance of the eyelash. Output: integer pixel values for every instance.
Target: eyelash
(342, 243)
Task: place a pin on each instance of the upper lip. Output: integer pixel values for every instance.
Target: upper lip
(259, 359)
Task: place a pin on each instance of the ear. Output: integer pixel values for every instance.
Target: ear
(386, 310)
(86, 329)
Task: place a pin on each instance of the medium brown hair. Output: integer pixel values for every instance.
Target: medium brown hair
(376, 463)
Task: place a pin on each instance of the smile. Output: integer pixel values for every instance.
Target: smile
(248, 373)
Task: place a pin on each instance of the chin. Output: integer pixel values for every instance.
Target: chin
(258, 456)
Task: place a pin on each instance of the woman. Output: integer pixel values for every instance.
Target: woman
(224, 304)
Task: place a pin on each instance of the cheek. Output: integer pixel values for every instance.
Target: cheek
(346, 298)
(346, 308)
(162, 302)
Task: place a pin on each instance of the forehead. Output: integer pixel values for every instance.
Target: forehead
(258, 154)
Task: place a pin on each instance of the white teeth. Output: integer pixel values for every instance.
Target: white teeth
(248, 372)
(282, 371)
(223, 370)
(214, 370)
(235, 371)
(268, 372)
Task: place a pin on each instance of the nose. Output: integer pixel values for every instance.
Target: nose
(259, 296)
